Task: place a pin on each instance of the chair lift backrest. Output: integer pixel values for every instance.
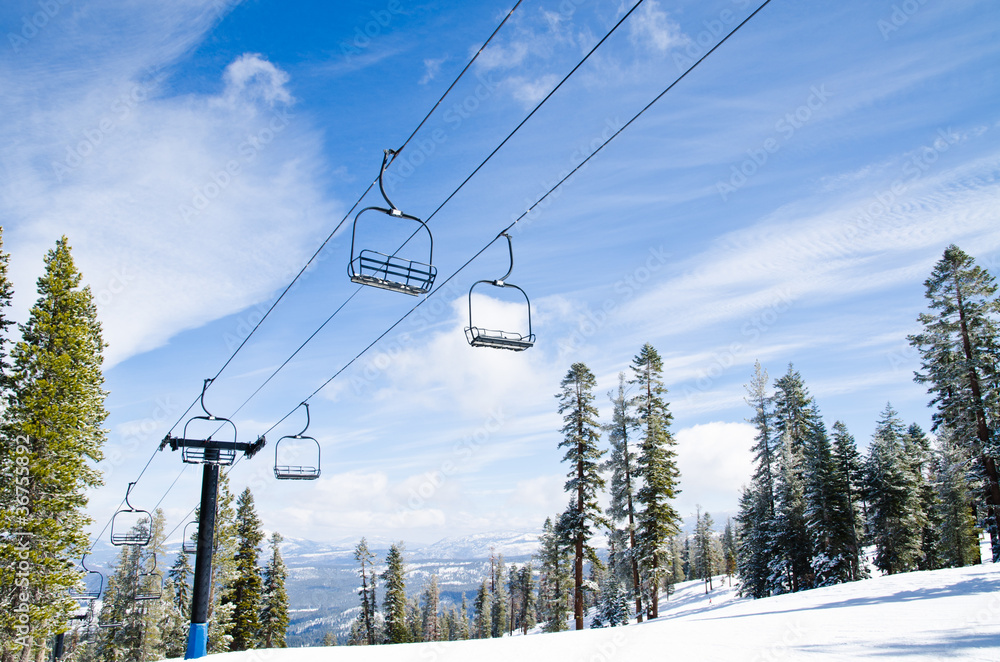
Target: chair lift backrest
(297, 442)
(195, 455)
(89, 592)
(153, 592)
(136, 531)
(189, 546)
(390, 272)
(480, 337)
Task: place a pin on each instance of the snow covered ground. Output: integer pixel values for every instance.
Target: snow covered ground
(949, 614)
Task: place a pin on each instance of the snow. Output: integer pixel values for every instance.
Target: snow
(949, 614)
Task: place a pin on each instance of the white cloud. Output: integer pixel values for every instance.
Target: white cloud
(432, 68)
(252, 78)
(715, 461)
(180, 210)
(653, 28)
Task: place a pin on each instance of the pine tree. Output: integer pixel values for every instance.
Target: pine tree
(527, 604)
(50, 440)
(224, 573)
(849, 481)
(754, 538)
(729, 547)
(463, 620)
(365, 559)
(765, 440)
(484, 611)
(917, 448)
(892, 497)
(432, 599)
(657, 467)
(274, 616)
(788, 546)
(959, 541)
(500, 614)
(394, 603)
(622, 465)
(960, 351)
(246, 593)
(706, 563)
(581, 434)
(829, 514)
(176, 605)
(554, 585)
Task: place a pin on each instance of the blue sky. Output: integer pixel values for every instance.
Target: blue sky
(784, 203)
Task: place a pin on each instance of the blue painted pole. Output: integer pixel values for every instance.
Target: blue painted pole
(202, 590)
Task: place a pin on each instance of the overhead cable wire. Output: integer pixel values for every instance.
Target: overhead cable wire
(520, 217)
(527, 211)
(453, 193)
(318, 251)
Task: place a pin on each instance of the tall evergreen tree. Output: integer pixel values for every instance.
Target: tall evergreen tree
(177, 607)
(765, 441)
(432, 600)
(394, 603)
(246, 593)
(366, 570)
(959, 541)
(849, 481)
(581, 434)
(917, 448)
(50, 440)
(960, 352)
(274, 617)
(789, 546)
(892, 498)
(829, 514)
(501, 609)
(622, 465)
(754, 538)
(554, 584)
(484, 611)
(463, 620)
(657, 467)
(224, 572)
(729, 547)
(527, 603)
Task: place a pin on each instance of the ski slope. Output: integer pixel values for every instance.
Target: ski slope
(951, 614)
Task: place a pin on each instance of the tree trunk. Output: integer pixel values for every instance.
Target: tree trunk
(982, 433)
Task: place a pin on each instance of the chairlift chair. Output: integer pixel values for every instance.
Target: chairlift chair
(149, 585)
(222, 455)
(390, 272)
(190, 543)
(512, 340)
(131, 526)
(291, 446)
(89, 580)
